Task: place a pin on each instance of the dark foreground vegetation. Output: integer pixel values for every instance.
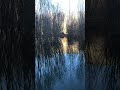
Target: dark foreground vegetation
(102, 44)
(16, 59)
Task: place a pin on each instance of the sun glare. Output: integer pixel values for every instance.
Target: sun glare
(66, 6)
(70, 5)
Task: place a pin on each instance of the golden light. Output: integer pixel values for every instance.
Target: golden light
(65, 25)
(70, 8)
(74, 48)
(64, 43)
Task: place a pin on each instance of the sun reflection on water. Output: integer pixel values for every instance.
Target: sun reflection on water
(74, 48)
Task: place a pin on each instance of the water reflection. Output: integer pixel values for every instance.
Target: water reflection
(59, 62)
(74, 48)
(62, 71)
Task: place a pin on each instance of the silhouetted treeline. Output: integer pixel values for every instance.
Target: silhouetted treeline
(76, 29)
(49, 28)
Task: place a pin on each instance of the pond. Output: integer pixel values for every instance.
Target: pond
(61, 71)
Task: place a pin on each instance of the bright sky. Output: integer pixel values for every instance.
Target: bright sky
(66, 5)
(70, 5)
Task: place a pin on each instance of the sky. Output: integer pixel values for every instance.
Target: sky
(66, 5)
(73, 5)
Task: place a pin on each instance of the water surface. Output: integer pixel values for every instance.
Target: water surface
(63, 70)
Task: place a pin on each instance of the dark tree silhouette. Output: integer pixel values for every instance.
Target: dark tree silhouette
(16, 69)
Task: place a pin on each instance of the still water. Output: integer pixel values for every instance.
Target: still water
(64, 70)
